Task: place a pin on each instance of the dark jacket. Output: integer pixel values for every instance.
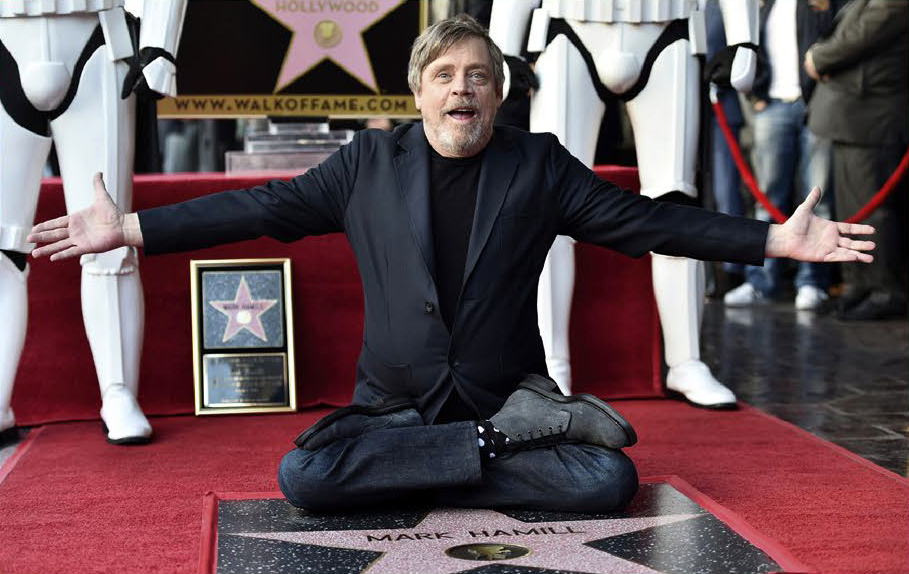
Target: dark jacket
(810, 26)
(716, 41)
(376, 191)
(866, 98)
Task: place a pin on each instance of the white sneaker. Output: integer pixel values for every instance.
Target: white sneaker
(743, 296)
(7, 419)
(123, 418)
(692, 379)
(810, 298)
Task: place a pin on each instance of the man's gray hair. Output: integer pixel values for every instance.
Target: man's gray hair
(438, 38)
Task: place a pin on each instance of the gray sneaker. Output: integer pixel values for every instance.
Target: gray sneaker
(536, 415)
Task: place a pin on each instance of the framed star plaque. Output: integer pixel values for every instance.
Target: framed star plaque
(242, 323)
(300, 58)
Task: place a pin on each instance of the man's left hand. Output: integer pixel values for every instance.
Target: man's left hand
(811, 70)
(807, 237)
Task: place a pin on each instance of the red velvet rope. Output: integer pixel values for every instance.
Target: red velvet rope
(775, 213)
(743, 168)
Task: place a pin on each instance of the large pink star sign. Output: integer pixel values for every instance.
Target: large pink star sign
(329, 29)
(451, 540)
(244, 312)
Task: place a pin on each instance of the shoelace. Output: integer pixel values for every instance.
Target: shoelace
(526, 440)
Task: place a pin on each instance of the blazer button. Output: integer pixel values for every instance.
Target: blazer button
(428, 308)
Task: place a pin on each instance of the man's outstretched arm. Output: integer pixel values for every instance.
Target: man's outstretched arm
(313, 203)
(807, 237)
(96, 229)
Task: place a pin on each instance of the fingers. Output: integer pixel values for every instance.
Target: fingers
(854, 228)
(58, 223)
(811, 200)
(52, 249)
(48, 236)
(60, 250)
(843, 255)
(855, 245)
(67, 253)
(98, 183)
(100, 189)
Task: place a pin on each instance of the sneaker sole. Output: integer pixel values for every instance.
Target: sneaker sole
(125, 440)
(712, 407)
(543, 388)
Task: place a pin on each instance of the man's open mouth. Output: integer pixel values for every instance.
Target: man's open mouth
(462, 113)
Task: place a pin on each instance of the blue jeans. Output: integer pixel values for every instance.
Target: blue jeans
(440, 465)
(789, 160)
(726, 181)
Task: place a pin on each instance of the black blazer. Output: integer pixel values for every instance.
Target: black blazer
(376, 191)
(864, 100)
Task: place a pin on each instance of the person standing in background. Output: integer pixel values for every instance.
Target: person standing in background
(788, 158)
(724, 175)
(862, 104)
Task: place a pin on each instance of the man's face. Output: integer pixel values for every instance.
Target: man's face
(458, 99)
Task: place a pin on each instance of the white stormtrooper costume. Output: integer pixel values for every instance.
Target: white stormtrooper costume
(643, 51)
(70, 69)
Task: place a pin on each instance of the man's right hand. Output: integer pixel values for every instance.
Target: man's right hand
(95, 229)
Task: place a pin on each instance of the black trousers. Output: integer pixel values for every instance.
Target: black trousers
(858, 173)
(407, 462)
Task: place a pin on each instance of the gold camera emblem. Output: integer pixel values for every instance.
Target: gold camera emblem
(327, 33)
(487, 552)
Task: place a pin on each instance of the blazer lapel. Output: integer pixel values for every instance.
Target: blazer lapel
(499, 165)
(412, 170)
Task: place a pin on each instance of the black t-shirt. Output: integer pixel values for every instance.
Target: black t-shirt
(453, 185)
(453, 199)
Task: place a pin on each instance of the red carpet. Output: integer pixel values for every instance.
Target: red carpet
(614, 314)
(73, 503)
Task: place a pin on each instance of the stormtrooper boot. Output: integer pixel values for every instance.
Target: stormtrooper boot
(113, 312)
(124, 421)
(14, 305)
(554, 296)
(678, 284)
(693, 382)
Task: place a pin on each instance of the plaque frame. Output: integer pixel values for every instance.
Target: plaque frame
(202, 351)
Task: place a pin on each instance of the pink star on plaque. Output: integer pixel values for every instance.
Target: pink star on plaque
(327, 29)
(244, 312)
(451, 540)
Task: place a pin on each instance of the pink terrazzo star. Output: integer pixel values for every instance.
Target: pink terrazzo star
(421, 549)
(327, 29)
(244, 312)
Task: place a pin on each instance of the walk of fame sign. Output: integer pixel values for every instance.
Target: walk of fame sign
(242, 321)
(316, 58)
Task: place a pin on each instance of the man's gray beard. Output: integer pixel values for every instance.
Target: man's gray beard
(457, 142)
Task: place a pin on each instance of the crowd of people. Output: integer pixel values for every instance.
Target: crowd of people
(829, 108)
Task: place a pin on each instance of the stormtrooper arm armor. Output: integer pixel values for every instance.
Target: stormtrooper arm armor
(508, 23)
(159, 38)
(740, 20)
